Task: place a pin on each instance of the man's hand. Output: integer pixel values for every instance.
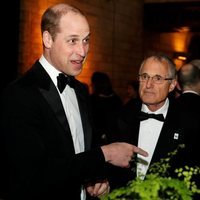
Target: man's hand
(121, 153)
(98, 189)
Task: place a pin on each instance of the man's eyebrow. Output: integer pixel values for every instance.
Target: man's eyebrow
(72, 36)
(76, 36)
(87, 35)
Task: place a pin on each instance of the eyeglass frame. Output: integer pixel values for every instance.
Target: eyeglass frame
(162, 79)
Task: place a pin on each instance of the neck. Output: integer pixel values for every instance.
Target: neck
(155, 107)
(193, 89)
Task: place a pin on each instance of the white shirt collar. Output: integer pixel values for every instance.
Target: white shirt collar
(190, 91)
(50, 69)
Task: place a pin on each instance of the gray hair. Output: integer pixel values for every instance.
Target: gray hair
(191, 76)
(163, 58)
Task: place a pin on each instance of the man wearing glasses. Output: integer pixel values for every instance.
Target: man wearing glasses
(152, 124)
(157, 78)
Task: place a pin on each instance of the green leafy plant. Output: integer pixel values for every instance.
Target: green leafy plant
(158, 185)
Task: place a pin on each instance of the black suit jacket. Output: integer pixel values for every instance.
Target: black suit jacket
(188, 103)
(188, 121)
(38, 144)
(128, 129)
(188, 109)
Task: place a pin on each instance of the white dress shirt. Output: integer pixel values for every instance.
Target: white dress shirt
(149, 133)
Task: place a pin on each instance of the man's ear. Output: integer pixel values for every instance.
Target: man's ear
(47, 39)
(172, 85)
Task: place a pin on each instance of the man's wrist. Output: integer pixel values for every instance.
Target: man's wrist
(105, 153)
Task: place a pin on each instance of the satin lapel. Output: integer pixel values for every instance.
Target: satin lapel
(82, 102)
(166, 142)
(50, 93)
(55, 103)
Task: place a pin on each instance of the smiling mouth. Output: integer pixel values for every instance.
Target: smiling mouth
(78, 62)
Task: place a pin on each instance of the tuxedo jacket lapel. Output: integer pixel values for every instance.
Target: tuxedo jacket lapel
(170, 137)
(55, 103)
(84, 114)
(50, 93)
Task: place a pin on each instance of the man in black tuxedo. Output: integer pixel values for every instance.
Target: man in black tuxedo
(45, 124)
(189, 82)
(188, 109)
(157, 78)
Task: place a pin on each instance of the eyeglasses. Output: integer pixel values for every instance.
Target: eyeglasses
(157, 79)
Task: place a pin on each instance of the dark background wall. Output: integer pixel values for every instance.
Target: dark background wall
(9, 35)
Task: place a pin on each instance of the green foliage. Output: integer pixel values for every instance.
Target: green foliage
(158, 185)
(187, 173)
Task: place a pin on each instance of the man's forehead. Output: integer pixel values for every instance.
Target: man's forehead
(155, 63)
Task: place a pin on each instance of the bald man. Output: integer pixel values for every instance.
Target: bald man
(188, 114)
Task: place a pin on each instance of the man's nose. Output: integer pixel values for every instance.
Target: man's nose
(149, 82)
(82, 50)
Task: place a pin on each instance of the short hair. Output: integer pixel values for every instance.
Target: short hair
(51, 17)
(196, 62)
(161, 58)
(190, 77)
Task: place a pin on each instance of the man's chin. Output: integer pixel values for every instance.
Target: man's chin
(148, 102)
(76, 72)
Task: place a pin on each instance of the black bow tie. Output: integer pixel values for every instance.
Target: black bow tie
(63, 80)
(145, 116)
